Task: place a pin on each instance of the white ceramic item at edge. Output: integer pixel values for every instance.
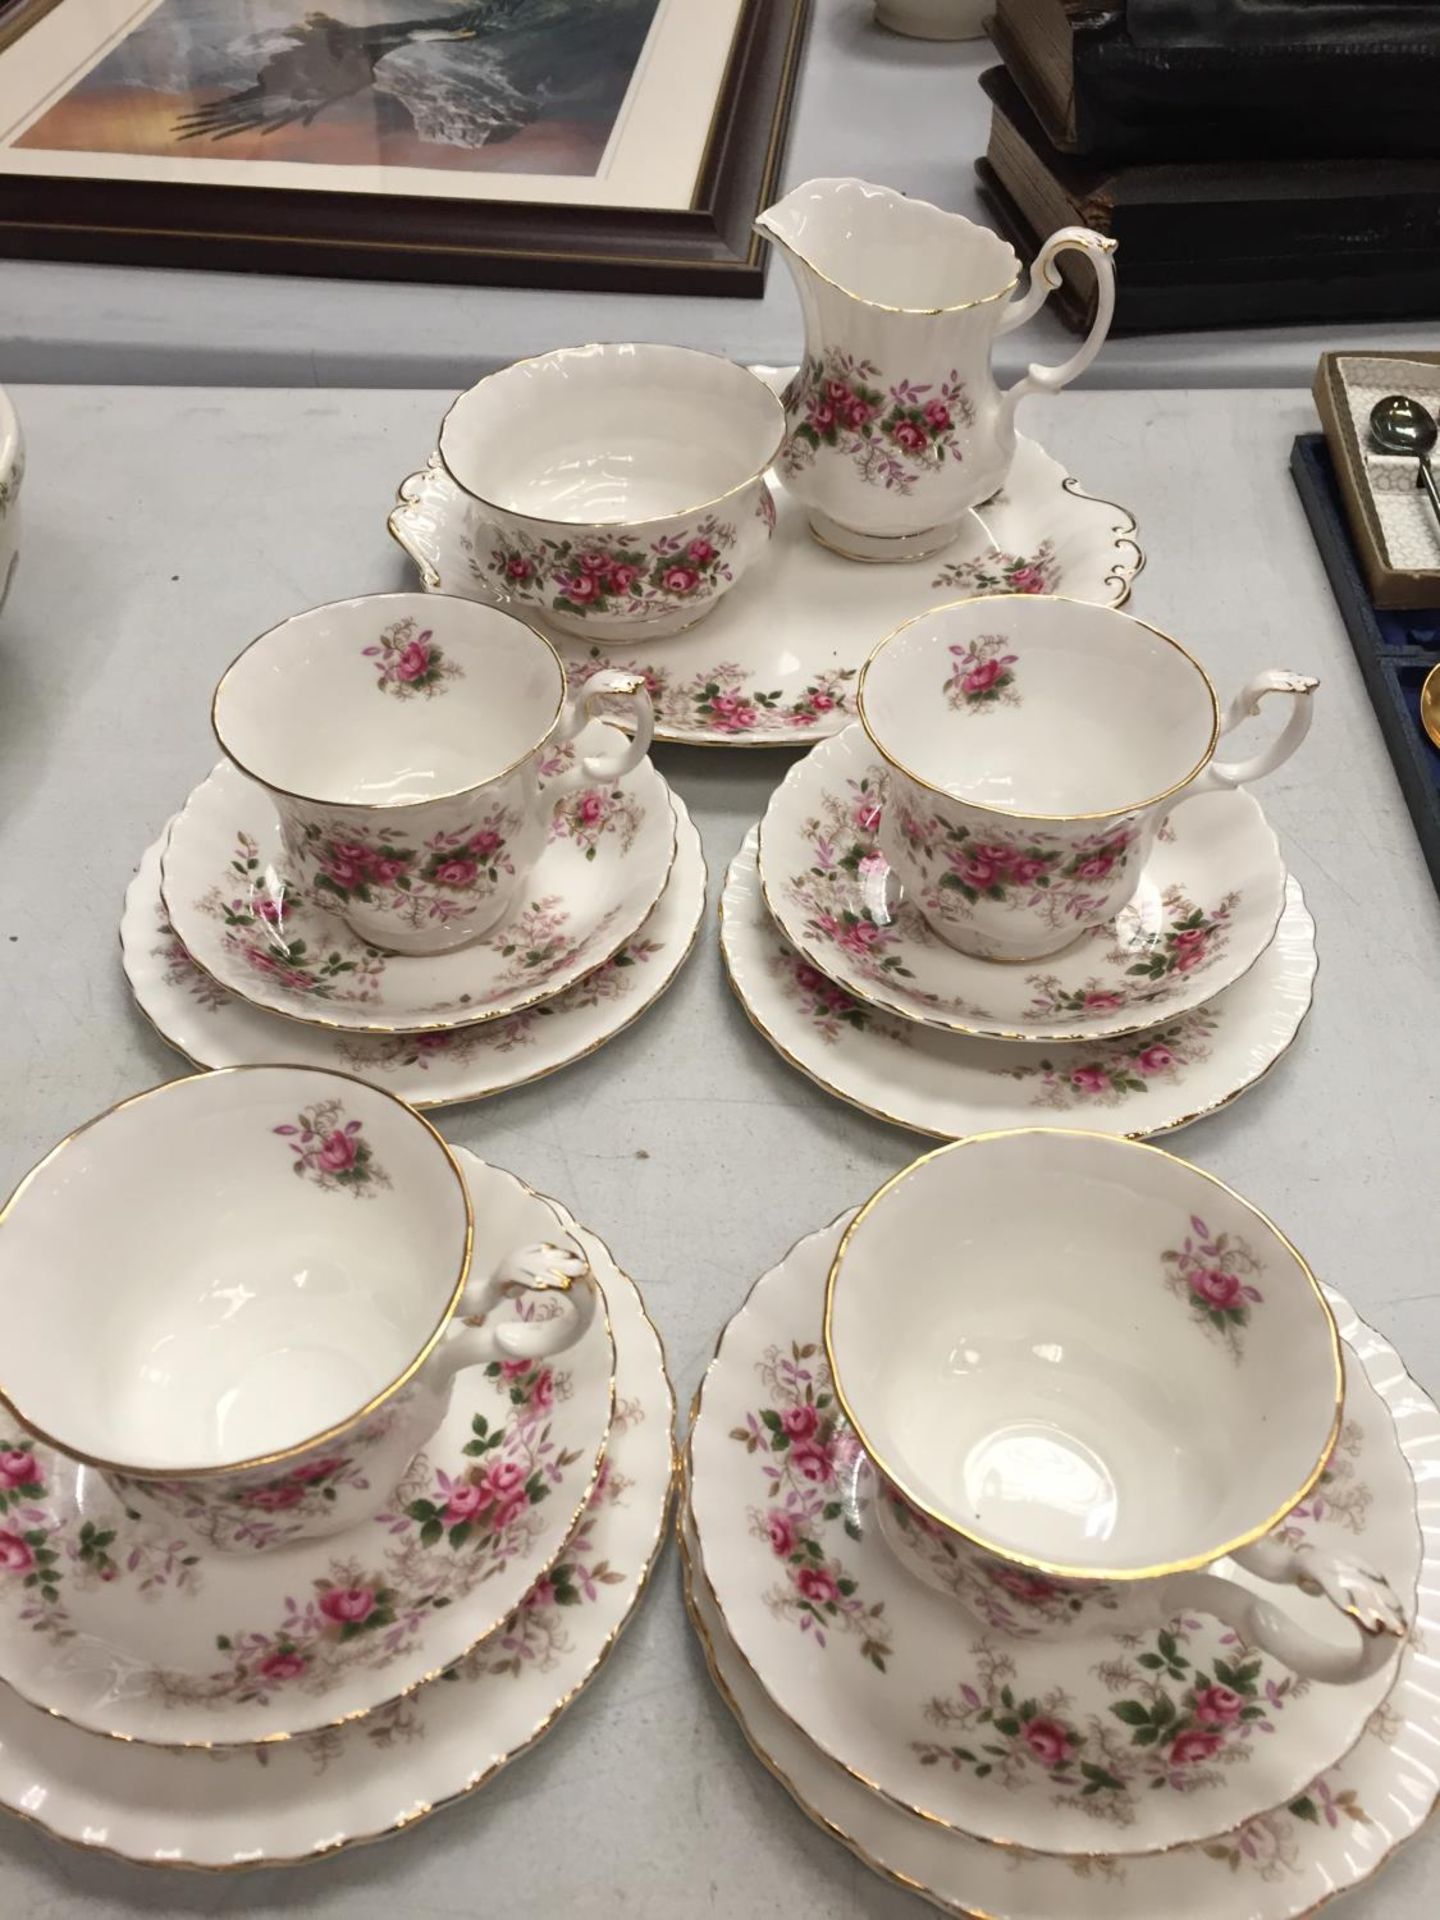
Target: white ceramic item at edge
(12, 474)
(964, 1701)
(214, 1028)
(777, 664)
(143, 1631)
(935, 19)
(403, 739)
(1034, 748)
(225, 881)
(895, 426)
(967, 1300)
(1284, 1864)
(948, 1084)
(253, 1283)
(307, 1798)
(618, 491)
(1208, 903)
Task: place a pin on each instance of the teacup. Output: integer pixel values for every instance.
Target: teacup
(1034, 748)
(12, 472)
(403, 737)
(244, 1295)
(618, 491)
(1094, 1370)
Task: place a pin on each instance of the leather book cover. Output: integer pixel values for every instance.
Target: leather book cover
(1211, 82)
(1222, 244)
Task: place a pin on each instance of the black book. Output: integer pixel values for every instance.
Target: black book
(1228, 79)
(1214, 243)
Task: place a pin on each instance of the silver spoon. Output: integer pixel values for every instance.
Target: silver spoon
(1401, 425)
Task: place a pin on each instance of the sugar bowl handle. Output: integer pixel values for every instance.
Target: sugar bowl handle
(474, 1338)
(580, 709)
(1365, 1597)
(1044, 280)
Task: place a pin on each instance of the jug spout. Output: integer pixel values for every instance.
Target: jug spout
(885, 250)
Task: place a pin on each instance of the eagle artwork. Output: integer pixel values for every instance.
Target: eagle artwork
(524, 86)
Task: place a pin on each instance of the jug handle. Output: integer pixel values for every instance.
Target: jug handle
(1044, 279)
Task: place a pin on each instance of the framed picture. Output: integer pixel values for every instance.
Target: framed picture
(574, 143)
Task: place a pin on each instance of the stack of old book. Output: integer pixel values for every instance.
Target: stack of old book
(1257, 161)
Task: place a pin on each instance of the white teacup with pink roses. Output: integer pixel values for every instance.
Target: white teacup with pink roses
(1034, 748)
(1087, 1372)
(253, 1321)
(413, 747)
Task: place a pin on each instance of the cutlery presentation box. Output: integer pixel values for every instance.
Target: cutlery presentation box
(1389, 586)
(1396, 648)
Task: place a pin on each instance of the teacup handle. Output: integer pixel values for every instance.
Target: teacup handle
(473, 1340)
(580, 710)
(1365, 1597)
(415, 520)
(1044, 279)
(1221, 776)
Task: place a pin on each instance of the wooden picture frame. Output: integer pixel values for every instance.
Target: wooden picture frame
(706, 247)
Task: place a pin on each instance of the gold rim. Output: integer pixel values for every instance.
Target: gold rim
(687, 946)
(1042, 599)
(387, 806)
(648, 520)
(338, 1428)
(883, 306)
(1122, 575)
(752, 1013)
(373, 1028)
(1060, 1569)
(645, 1572)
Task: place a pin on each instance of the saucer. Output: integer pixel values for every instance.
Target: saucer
(224, 885)
(949, 1084)
(973, 1712)
(777, 659)
(1282, 1865)
(306, 1798)
(147, 1632)
(1207, 907)
(213, 1028)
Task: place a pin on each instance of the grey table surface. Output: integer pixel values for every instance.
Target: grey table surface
(907, 113)
(164, 529)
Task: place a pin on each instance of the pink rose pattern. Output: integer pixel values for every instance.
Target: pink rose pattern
(1110, 1072)
(802, 1441)
(445, 1533)
(445, 877)
(1189, 940)
(332, 1152)
(983, 675)
(891, 435)
(722, 702)
(1215, 1274)
(258, 934)
(586, 817)
(1174, 1726)
(838, 904)
(997, 572)
(824, 1004)
(1064, 880)
(409, 661)
(622, 578)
